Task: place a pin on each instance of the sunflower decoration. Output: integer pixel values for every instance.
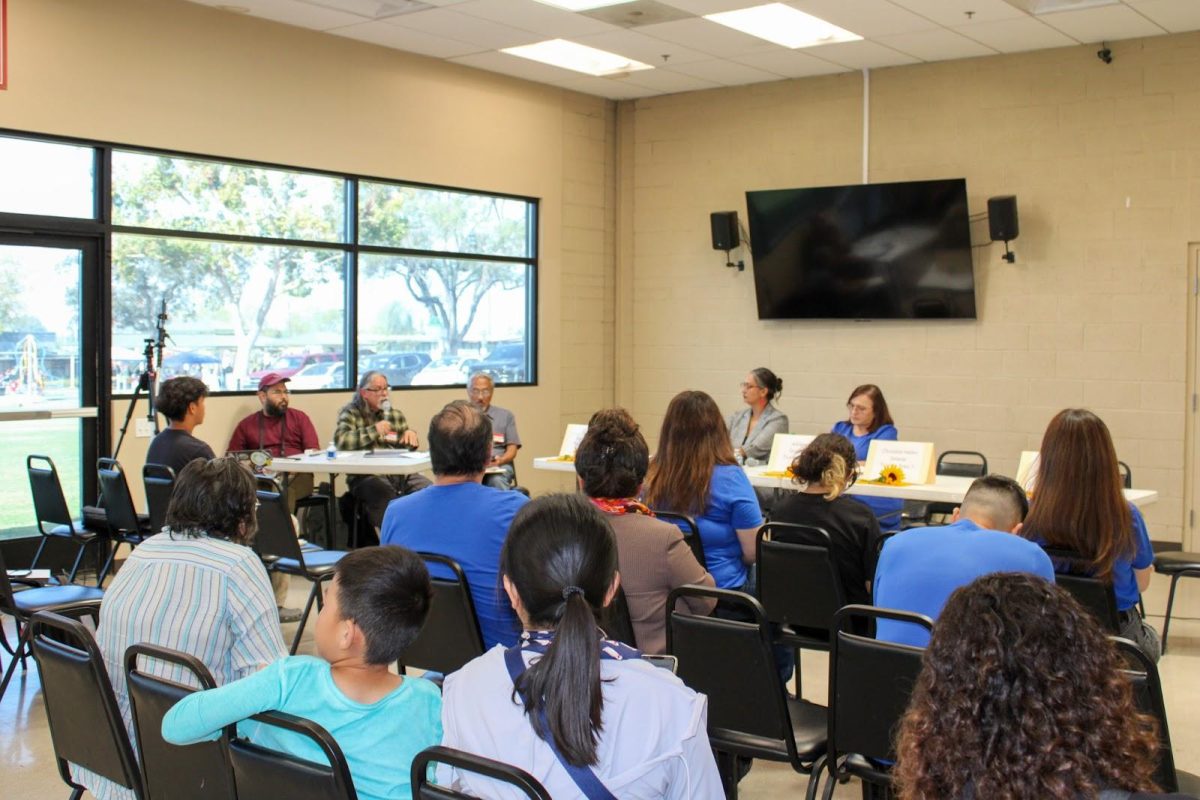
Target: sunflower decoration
(891, 475)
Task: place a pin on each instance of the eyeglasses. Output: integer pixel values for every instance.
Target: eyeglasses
(376, 389)
(743, 386)
(853, 407)
(489, 390)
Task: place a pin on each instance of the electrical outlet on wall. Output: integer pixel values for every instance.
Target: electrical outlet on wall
(143, 428)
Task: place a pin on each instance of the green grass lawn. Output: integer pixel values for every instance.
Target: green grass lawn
(57, 438)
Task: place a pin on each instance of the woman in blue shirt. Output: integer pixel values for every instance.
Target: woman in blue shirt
(694, 472)
(869, 420)
(1077, 504)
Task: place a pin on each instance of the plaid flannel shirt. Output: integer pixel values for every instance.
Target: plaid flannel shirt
(356, 427)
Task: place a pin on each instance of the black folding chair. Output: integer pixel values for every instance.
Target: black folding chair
(450, 636)
(1177, 565)
(69, 599)
(85, 721)
(690, 530)
(1147, 694)
(159, 480)
(280, 550)
(260, 773)
(750, 714)
(955, 463)
(870, 682)
(54, 519)
(172, 772)
(1126, 474)
(1094, 594)
(125, 524)
(422, 789)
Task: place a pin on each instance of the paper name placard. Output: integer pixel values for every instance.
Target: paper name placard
(915, 458)
(571, 440)
(1027, 469)
(784, 449)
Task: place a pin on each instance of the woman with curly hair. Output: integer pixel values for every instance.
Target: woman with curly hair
(1022, 695)
(1078, 505)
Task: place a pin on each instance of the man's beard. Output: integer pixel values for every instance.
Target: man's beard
(275, 409)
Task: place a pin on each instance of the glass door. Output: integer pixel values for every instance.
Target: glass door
(48, 374)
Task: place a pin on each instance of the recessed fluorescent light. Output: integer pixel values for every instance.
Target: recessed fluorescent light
(569, 55)
(1051, 6)
(583, 5)
(783, 25)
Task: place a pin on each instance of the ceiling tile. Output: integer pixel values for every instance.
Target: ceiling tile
(790, 64)
(529, 15)
(1016, 35)
(954, 12)
(861, 55)
(406, 39)
(668, 81)
(641, 47)
(291, 12)
(370, 9)
(937, 45)
(516, 66)
(867, 18)
(1105, 22)
(607, 87)
(450, 24)
(702, 7)
(726, 73)
(708, 37)
(1176, 16)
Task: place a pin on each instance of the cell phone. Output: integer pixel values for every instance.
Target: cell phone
(664, 662)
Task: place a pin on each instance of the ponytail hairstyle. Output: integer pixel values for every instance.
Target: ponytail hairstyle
(769, 381)
(561, 557)
(829, 461)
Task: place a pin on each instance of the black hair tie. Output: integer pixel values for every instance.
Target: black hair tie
(570, 590)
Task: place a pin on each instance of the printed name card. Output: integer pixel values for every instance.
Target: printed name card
(1027, 469)
(571, 440)
(784, 449)
(915, 459)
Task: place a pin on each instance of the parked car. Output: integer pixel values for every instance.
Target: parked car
(288, 365)
(445, 371)
(323, 375)
(400, 368)
(506, 363)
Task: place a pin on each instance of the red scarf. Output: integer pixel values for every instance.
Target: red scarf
(621, 505)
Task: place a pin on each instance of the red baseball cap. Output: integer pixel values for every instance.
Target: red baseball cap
(270, 379)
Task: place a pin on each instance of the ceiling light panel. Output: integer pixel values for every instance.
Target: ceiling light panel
(577, 57)
(583, 5)
(783, 25)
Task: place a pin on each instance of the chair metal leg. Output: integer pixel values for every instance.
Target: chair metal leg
(1170, 603)
(22, 645)
(814, 778)
(78, 560)
(727, 767)
(38, 554)
(112, 546)
(313, 595)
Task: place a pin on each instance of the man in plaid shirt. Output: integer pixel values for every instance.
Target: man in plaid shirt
(369, 422)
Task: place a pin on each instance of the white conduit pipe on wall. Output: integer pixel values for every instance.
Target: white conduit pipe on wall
(866, 134)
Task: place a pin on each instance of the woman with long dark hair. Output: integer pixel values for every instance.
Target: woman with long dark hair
(694, 472)
(1078, 505)
(565, 704)
(1021, 695)
(611, 463)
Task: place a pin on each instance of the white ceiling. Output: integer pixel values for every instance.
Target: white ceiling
(690, 52)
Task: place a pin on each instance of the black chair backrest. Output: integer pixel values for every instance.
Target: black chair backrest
(118, 502)
(85, 721)
(798, 580)
(870, 682)
(49, 503)
(172, 772)
(1126, 474)
(276, 535)
(1094, 594)
(731, 662)
(616, 621)
(468, 762)
(159, 480)
(962, 464)
(450, 636)
(264, 774)
(690, 530)
(1147, 694)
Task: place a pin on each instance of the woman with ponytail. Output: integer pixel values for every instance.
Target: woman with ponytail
(584, 715)
(824, 471)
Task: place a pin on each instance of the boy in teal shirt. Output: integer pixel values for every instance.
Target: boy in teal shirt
(374, 609)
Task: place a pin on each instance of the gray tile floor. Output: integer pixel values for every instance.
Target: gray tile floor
(27, 767)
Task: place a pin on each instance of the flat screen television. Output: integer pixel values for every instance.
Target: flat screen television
(869, 251)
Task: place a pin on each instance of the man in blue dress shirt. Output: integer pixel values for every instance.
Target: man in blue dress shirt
(920, 568)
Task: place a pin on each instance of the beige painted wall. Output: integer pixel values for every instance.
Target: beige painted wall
(1105, 162)
(165, 73)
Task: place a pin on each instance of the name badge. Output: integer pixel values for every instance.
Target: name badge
(498, 438)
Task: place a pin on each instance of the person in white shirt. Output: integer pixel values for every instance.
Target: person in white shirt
(565, 704)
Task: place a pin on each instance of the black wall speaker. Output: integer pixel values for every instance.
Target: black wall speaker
(724, 230)
(1002, 218)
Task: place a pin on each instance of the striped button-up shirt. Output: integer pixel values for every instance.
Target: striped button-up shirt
(202, 595)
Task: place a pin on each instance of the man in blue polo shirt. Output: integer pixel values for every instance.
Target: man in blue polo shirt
(920, 568)
(460, 518)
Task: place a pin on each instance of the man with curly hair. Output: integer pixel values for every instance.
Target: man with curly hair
(180, 400)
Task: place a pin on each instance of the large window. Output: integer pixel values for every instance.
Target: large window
(252, 266)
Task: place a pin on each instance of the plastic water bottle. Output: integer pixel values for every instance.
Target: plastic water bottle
(331, 451)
